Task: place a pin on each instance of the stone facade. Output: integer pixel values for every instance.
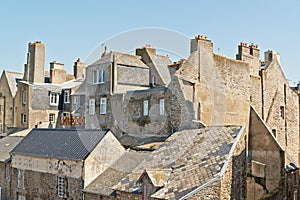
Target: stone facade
(5, 170)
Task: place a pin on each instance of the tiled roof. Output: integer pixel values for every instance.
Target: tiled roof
(195, 157)
(103, 184)
(12, 78)
(161, 63)
(72, 144)
(158, 177)
(6, 145)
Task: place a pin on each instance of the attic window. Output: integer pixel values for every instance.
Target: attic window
(282, 112)
(54, 97)
(98, 76)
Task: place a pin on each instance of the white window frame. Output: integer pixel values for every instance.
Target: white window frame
(161, 106)
(146, 107)
(24, 97)
(75, 99)
(54, 99)
(98, 76)
(103, 106)
(51, 117)
(60, 186)
(21, 178)
(92, 106)
(23, 118)
(66, 96)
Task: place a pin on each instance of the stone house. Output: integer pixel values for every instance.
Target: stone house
(40, 102)
(6, 145)
(59, 163)
(8, 89)
(117, 98)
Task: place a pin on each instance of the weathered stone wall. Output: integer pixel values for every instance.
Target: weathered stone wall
(256, 93)
(4, 181)
(103, 156)
(20, 107)
(280, 109)
(264, 148)
(128, 196)
(233, 181)
(48, 165)
(221, 85)
(9, 112)
(38, 185)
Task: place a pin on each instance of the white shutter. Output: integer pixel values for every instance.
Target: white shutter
(161, 106)
(103, 106)
(92, 106)
(146, 107)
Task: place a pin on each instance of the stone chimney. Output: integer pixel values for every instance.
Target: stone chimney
(79, 69)
(34, 69)
(272, 55)
(57, 73)
(203, 41)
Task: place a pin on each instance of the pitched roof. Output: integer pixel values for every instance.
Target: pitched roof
(6, 145)
(122, 59)
(162, 65)
(12, 78)
(72, 144)
(104, 183)
(195, 156)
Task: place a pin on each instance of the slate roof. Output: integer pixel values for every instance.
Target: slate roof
(6, 145)
(12, 78)
(104, 183)
(71, 144)
(122, 59)
(162, 65)
(195, 157)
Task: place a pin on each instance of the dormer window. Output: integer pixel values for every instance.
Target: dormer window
(67, 96)
(98, 76)
(54, 99)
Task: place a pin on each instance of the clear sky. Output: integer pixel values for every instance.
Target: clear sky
(73, 28)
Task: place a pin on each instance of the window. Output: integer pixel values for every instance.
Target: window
(153, 81)
(274, 132)
(282, 112)
(24, 97)
(67, 96)
(98, 76)
(60, 186)
(161, 107)
(51, 117)
(75, 100)
(103, 106)
(145, 107)
(92, 106)
(54, 97)
(20, 178)
(23, 118)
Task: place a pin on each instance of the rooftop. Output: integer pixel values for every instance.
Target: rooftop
(6, 145)
(194, 158)
(71, 144)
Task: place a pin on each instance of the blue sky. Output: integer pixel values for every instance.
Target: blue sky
(72, 29)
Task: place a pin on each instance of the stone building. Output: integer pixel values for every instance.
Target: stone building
(41, 102)
(118, 99)
(6, 145)
(8, 90)
(204, 89)
(58, 164)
